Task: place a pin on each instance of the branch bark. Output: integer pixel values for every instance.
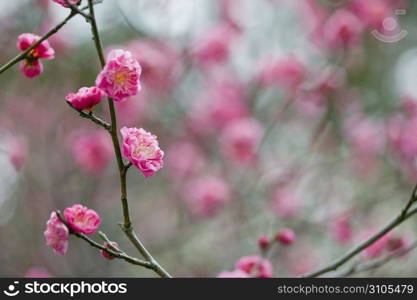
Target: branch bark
(123, 168)
(405, 214)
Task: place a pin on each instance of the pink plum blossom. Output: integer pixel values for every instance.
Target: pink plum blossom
(342, 30)
(56, 234)
(341, 228)
(106, 254)
(213, 45)
(64, 4)
(120, 77)
(18, 152)
(92, 150)
(284, 201)
(82, 219)
(365, 138)
(141, 148)
(184, 159)
(31, 65)
(285, 72)
(233, 274)
(240, 140)
(31, 68)
(286, 236)
(85, 98)
(205, 196)
(372, 12)
(255, 265)
(221, 103)
(263, 242)
(43, 50)
(378, 247)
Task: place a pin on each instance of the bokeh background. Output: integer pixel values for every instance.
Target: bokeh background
(272, 114)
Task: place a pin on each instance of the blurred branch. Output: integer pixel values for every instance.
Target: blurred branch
(367, 266)
(75, 9)
(127, 225)
(92, 117)
(51, 32)
(405, 213)
(118, 254)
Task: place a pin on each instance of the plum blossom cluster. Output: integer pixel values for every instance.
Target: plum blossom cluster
(31, 66)
(78, 218)
(257, 265)
(119, 79)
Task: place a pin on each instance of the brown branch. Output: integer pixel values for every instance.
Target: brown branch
(372, 265)
(51, 32)
(127, 224)
(118, 254)
(92, 117)
(405, 213)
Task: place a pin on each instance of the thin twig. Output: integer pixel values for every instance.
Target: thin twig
(92, 117)
(405, 213)
(75, 9)
(51, 32)
(117, 254)
(366, 266)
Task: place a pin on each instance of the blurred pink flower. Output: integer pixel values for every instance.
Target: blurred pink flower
(184, 160)
(92, 150)
(233, 274)
(142, 150)
(85, 98)
(43, 50)
(106, 254)
(31, 68)
(286, 72)
(240, 140)
(365, 138)
(120, 77)
(205, 196)
(82, 219)
(31, 65)
(286, 236)
(221, 103)
(213, 45)
(64, 4)
(372, 12)
(18, 152)
(37, 273)
(378, 247)
(397, 243)
(285, 202)
(159, 62)
(342, 30)
(255, 265)
(263, 242)
(341, 228)
(56, 234)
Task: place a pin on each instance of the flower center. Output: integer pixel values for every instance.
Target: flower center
(120, 78)
(33, 53)
(145, 151)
